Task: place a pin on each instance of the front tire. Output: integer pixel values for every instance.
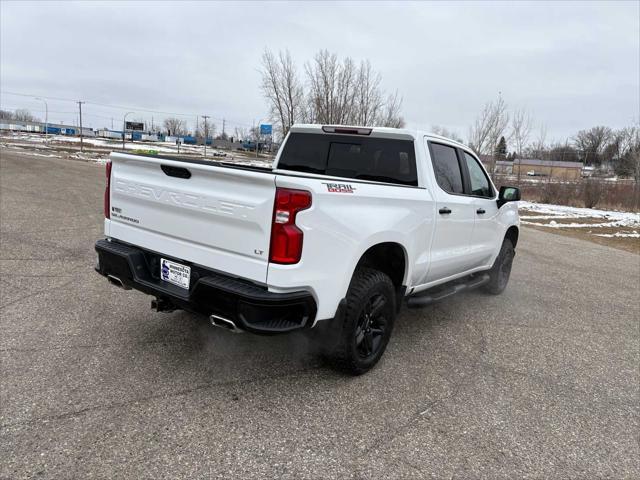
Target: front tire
(367, 323)
(501, 269)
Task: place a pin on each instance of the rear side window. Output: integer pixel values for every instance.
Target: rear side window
(447, 168)
(362, 158)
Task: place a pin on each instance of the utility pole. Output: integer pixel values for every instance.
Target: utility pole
(224, 122)
(254, 132)
(81, 143)
(206, 134)
(46, 118)
(124, 127)
(257, 133)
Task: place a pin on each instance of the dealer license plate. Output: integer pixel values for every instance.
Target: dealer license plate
(175, 273)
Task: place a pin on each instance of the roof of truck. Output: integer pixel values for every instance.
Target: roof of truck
(375, 131)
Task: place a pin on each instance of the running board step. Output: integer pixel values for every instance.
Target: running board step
(427, 297)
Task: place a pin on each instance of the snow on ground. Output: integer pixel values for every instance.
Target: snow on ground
(623, 224)
(54, 147)
(633, 234)
(549, 211)
(56, 140)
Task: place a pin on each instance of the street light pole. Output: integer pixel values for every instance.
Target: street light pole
(124, 124)
(46, 118)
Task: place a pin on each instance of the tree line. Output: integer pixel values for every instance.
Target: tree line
(19, 115)
(502, 134)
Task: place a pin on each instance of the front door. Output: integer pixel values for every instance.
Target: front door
(486, 232)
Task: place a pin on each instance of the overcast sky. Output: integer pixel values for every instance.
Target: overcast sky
(574, 65)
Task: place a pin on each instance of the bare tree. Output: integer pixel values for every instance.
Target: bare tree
(628, 161)
(175, 126)
(521, 126)
(445, 132)
(331, 94)
(6, 115)
(282, 88)
(24, 115)
(391, 113)
(489, 126)
(593, 142)
(241, 133)
(368, 103)
(338, 92)
(539, 145)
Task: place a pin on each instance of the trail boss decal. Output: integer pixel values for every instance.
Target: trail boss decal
(340, 188)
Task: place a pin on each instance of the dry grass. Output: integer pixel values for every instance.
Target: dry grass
(591, 193)
(628, 244)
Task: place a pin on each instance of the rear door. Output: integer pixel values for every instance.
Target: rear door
(213, 216)
(455, 214)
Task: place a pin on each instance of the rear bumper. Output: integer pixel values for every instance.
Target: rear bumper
(249, 306)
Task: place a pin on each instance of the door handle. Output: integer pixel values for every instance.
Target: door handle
(480, 211)
(444, 211)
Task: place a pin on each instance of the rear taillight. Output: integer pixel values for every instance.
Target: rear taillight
(286, 237)
(107, 191)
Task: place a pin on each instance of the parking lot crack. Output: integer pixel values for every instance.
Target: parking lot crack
(148, 398)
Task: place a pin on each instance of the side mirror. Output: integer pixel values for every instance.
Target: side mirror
(508, 194)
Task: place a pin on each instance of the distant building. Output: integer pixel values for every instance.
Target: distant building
(548, 168)
(504, 167)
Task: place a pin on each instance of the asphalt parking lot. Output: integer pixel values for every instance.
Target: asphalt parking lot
(540, 382)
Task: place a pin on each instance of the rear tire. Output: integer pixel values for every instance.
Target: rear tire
(501, 269)
(367, 322)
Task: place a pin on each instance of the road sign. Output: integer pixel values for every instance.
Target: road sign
(265, 129)
(134, 126)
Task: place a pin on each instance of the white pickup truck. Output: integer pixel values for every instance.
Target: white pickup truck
(347, 224)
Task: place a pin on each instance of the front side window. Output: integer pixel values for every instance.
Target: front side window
(447, 168)
(479, 182)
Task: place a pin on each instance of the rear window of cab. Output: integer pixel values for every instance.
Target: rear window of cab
(350, 156)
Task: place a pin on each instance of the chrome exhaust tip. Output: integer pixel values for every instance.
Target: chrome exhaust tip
(113, 280)
(225, 323)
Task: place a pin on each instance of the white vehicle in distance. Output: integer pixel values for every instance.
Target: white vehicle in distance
(349, 223)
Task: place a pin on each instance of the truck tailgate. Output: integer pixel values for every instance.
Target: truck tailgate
(218, 217)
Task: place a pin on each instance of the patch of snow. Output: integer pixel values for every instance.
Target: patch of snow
(554, 224)
(618, 235)
(540, 217)
(562, 211)
(553, 213)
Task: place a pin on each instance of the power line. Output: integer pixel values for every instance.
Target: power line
(60, 111)
(41, 96)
